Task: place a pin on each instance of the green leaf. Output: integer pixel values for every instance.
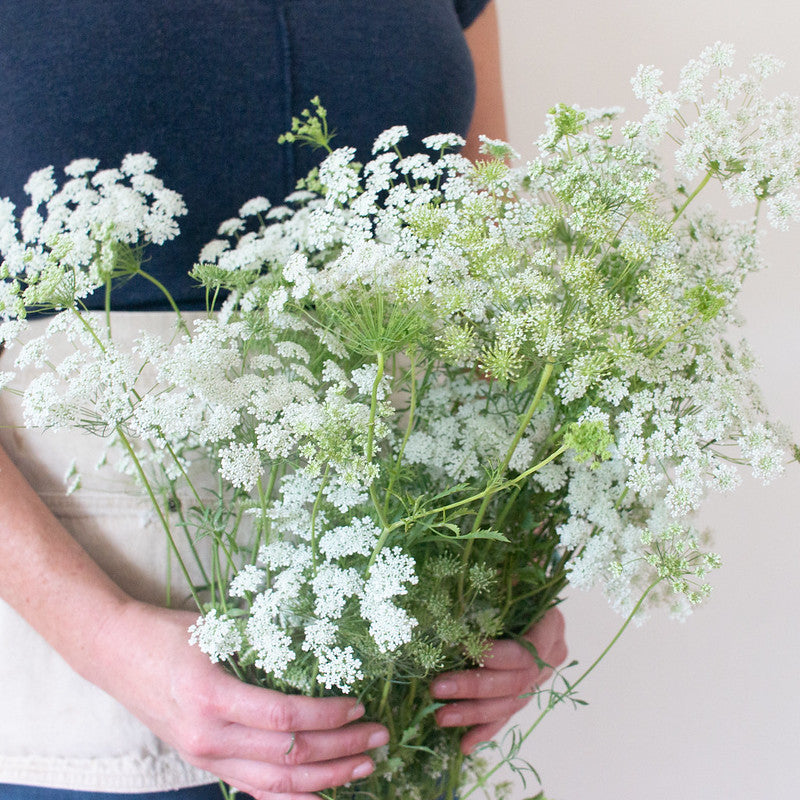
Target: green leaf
(413, 729)
(495, 536)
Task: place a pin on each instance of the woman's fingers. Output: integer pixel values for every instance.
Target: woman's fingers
(266, 709)
(285, 747)
(478, 735)
(508, 654)
(547, 636)
(267, 780)
(486, 682)
(479, 712)
(302, 747)
(484, 699)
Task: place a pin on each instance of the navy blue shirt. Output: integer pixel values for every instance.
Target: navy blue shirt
(207, 86)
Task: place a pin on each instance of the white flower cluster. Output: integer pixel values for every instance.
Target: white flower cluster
(299, 594)
(736, 132)
(70, 240)
(466, 427)
(87, 388)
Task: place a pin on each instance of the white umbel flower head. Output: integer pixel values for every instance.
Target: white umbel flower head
(217, 636)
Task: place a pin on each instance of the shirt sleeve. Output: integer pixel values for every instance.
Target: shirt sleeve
(468, 10)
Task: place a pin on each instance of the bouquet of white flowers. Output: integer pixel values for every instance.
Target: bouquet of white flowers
(429, 393)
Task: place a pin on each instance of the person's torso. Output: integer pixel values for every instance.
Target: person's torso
(207, 86)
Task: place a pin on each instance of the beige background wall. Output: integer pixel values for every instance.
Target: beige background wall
(709, 708)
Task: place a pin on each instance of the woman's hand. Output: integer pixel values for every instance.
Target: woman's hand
(485, 699)
(271, 745)
(274, 746)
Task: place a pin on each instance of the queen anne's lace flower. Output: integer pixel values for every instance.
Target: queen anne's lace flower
(240, 463)
(389, 139)
(217, 636)
(339, 668)
(271, 643)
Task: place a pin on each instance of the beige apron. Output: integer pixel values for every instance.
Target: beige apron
(56, 729)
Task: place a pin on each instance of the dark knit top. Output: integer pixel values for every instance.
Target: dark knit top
(207, 86)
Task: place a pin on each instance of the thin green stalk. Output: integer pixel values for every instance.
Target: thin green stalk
(263, 498)
(411, 697)
(186, 477)
(216, 581)
(412, 407)
(672, 337)
(454, 773)
(373, 412)
(107, 305)
(89, 328)
(507, 507)
(184, 525)
(314, 512)
(163, 289)
(189, 539)
(489, 490)
(556, 697)
(165, 524)
(694, 194)
(555, 583)
(387, 685)
(756, 213)
(373, 406)
(544, 379)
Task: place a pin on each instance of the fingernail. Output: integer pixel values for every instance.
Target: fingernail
(444, 688)
(362, 770)
(355, 712)
(378, 739)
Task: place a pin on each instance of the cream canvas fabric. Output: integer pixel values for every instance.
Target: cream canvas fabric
(56, 729)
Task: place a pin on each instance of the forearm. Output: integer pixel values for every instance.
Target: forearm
(47, 576)
(489, 117)
(272, 745)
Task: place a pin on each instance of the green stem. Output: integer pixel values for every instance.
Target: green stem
(454, 774)
(89, 329)
(673, 336)
(553, 585)
(387, 685)
(314, 512)
(694, 194)
(557, 697)
(489, 490)
(756, 213)
(507, 507)
(373, 406)
(412, 407)
(263, 498)
(157, 507)
(373, 412)
(184, 525)
(107, 306)
(544, 378)
(189, 539)
(163, 289)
